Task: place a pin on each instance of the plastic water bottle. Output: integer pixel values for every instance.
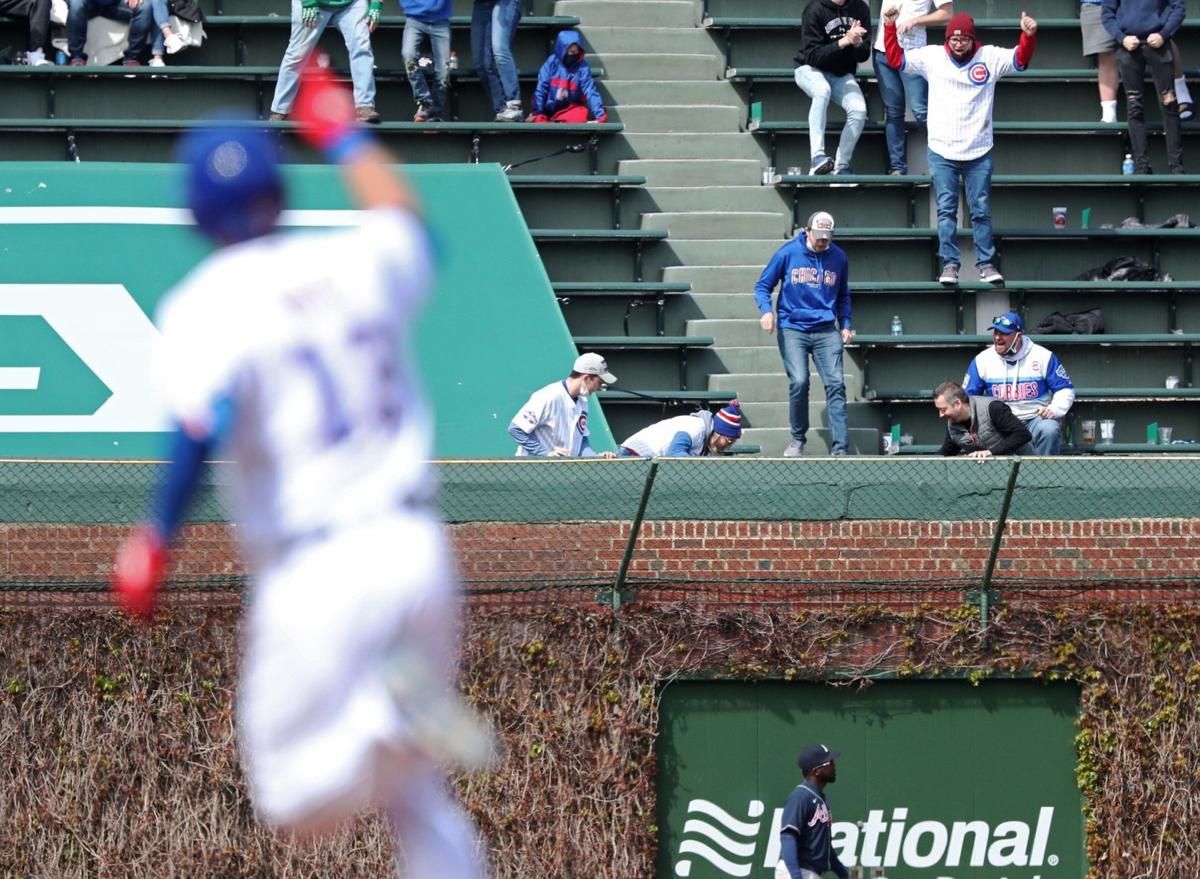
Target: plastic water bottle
(897, 325)
(1127, 165)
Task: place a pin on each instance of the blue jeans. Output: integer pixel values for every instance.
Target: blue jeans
(823, 87)
(493, 25)
(162, 16)
(976, 177)
(825, 346)
(439, 44)
(895, 87)
(79, 12)
(1047, 437)
(352, 22)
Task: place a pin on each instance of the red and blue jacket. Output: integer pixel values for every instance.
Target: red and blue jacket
(560, 86)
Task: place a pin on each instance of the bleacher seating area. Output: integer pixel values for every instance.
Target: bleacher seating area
(654, 226)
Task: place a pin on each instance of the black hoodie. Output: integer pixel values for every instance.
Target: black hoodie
(825, 23)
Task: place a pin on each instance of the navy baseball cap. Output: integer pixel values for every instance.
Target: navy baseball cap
(233, 184)
(1009, 322)
(815, 755)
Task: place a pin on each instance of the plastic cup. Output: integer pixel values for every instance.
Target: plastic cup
(1164, 435)
(1088, 430)
(1060, 218)
(1108, 430)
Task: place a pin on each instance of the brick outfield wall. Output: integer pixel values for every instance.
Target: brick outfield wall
(498, 556)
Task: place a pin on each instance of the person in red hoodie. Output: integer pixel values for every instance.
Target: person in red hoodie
(565, 89)
(962, 76)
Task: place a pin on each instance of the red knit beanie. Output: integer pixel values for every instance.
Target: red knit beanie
(961, 25)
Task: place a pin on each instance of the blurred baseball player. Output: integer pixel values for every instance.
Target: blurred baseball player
(687, 436)
(554, 420)
(292, 350)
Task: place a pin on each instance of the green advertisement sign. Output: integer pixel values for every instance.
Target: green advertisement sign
(89, 250)
(936, 779)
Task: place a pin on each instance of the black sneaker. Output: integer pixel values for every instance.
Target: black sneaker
(949, 275)
(989, 274)
(424, 113)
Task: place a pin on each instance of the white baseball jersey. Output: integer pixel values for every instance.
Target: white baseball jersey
(914, 38)
(302, 336)
(555, 418)
(961, 97)
(653, 441)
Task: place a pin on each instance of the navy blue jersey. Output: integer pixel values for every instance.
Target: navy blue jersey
(806, 816)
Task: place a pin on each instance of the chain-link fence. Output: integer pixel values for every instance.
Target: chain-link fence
(809, 532)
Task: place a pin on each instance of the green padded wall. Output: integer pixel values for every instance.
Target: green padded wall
(492, 333)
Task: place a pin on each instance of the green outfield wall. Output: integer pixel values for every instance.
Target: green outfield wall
(936, 780)
(89, 249)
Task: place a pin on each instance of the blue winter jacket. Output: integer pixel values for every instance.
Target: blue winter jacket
(815, 290)
(427, 10)
(1140, 18)
(559, 86)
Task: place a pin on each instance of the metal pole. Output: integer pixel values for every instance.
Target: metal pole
(997, 539)
(634, 530)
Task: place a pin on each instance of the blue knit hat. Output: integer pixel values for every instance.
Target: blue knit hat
(728, 422)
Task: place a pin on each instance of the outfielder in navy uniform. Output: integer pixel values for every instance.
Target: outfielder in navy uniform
(805, 832)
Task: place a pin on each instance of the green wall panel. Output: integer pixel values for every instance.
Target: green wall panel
(492, 332)
(921, 762)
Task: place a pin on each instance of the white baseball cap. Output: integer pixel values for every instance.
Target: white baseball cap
(820, 226)
(594, 364)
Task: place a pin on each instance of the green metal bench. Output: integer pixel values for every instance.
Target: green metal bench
(636, 292)
(680, 344)
(614, 183)
(638, 237)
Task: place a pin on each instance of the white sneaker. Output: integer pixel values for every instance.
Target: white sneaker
(794, 449)
(511, 113)
(174, 43)
(157, 62)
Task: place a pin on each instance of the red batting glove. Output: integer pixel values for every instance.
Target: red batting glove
(138, 572)
(324, 108)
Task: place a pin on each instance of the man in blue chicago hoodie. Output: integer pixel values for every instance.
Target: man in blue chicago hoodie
(814, 319)
(565, 89)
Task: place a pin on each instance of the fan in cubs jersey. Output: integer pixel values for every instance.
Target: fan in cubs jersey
(290, 351)
(687, 436)
(554, 420)
(962, 76)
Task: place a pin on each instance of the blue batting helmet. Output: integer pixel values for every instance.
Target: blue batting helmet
(233, 183)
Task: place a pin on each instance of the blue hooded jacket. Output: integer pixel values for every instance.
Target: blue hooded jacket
(426, 10)
(560, 86)
(1141, 18)
(815, 290)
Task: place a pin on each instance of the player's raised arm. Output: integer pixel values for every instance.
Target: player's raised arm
(324, 113)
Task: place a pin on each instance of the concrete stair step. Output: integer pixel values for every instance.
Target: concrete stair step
(676, 117)
(631, 13)
(630, 37)
(717, 224)
(759, 199)
(709, 278)
(753, 387)
(676, 146)
(767, 415)
(725, 250)
(639, 91)
(774, 440)
(660, 65)
(719, 306)
(743, 331)
(750, 359)
(696, 172)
